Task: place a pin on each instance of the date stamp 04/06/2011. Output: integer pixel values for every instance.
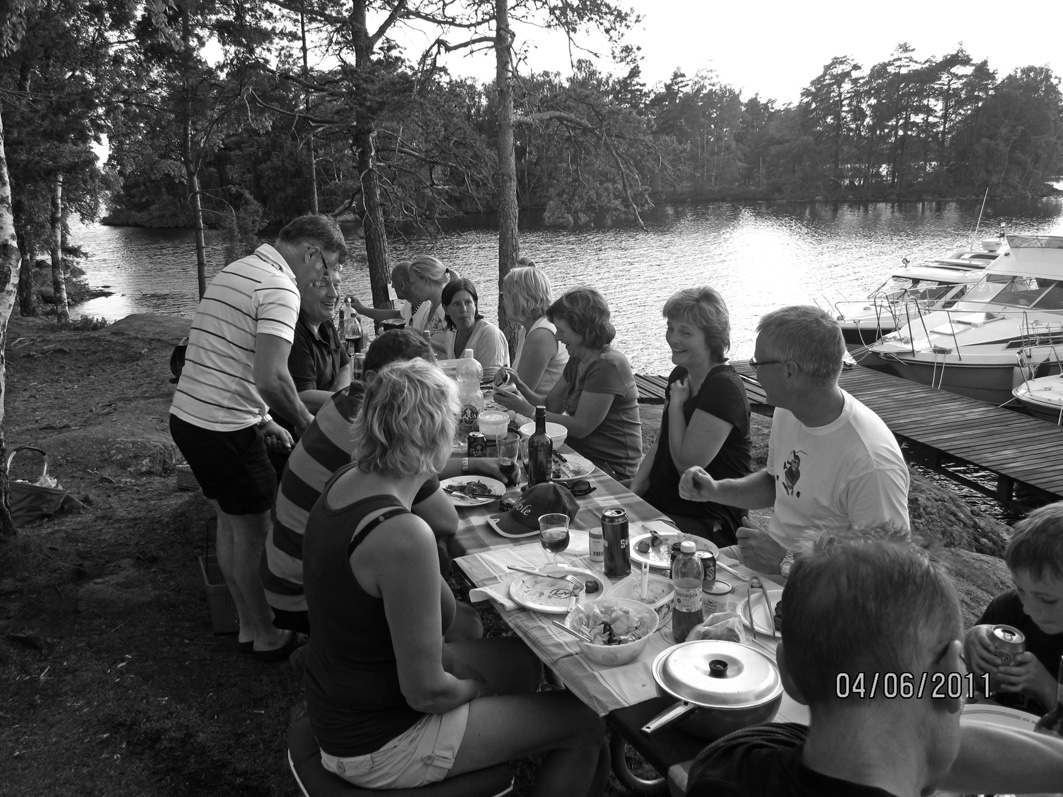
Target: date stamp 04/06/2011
(907, 686)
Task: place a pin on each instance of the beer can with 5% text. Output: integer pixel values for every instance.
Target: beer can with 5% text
(615, 543)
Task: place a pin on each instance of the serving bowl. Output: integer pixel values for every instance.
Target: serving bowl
(557, 432)
(613, 655)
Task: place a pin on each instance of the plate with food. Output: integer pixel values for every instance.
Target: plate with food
(654, 547)
(543, 593)
(472, 490)
(570, 466)
(993, 714)
(659, 589)
(763, 614)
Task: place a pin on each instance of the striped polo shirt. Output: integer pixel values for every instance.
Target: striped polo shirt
(256, 294)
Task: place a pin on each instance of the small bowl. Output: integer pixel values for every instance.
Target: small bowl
(557, 432)
(493, 423)
(614, 655)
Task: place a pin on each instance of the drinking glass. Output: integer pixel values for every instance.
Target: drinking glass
(553, 533)
(523, 443)
(508, 447)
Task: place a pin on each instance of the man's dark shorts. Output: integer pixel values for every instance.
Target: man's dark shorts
(232, 468)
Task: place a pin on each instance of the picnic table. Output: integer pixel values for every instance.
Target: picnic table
(626, 695)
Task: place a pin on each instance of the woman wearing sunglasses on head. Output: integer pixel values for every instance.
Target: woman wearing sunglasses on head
(706, 420)
(392, 706)
(596, 398)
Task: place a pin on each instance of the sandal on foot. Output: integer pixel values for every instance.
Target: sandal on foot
(282, 653)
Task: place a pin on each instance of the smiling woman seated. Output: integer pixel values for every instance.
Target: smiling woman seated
(467, 329)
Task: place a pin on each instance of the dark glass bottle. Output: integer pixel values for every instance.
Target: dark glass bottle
(540, 451)
(1052, 722)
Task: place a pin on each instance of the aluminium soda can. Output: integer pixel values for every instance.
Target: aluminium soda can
(708, 562)
(477, 444)
(615, 543)
(1007, 642)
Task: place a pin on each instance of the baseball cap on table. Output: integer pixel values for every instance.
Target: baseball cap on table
(523, 519)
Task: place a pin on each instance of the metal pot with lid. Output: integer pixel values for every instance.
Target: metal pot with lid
(722, 687)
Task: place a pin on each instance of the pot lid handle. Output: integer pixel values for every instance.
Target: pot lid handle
(717, 669)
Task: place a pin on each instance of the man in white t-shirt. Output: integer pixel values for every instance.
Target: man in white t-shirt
(832, 463)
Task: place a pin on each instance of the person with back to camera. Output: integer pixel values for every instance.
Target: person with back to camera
(861, 604)
(428, 277)
(706, 419)
(832, 463)
(596, 398)
(326, 447)
(468, 329)
(391, 705)
(1034, 606)
(540, 358)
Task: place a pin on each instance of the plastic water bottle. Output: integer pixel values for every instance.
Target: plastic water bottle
(687, 574)
(470, 372)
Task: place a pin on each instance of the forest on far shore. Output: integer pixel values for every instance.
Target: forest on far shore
(259, 132)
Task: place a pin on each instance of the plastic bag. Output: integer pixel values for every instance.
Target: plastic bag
(725, 625)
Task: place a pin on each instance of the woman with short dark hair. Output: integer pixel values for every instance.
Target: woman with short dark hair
(706, 420)
(596, 398)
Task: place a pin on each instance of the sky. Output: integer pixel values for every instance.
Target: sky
(775, 48)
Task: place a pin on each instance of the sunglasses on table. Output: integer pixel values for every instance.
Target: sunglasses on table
(581, 487)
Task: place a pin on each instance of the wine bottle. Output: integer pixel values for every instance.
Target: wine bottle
(540, 451)
(1052, 722)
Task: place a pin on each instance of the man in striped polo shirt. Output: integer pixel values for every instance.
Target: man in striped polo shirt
(236, 367)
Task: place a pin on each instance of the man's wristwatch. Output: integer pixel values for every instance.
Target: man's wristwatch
(787, 564)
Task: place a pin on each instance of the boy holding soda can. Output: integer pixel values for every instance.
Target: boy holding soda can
(1034, 608)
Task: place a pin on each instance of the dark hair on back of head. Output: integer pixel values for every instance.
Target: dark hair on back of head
(1036, 545)
(396, 345)
(319, 230)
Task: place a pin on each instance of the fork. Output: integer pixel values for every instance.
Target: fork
(577, 585)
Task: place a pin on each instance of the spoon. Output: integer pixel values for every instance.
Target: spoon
(579, 635)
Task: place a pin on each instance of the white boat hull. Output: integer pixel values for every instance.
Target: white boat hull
(1043, 398)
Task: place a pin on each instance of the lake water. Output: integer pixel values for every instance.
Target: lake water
(760, 256)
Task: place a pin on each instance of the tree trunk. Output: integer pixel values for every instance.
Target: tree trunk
(28, 306)
(310, 126)
(376, 238)
(192, 171)
(62, 307)
(9, 263)
(508, 242)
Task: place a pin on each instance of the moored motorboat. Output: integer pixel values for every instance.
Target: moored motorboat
(1042, 397)
(938, 284)
(1006, 329)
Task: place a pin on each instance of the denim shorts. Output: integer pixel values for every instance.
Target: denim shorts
(421, 755)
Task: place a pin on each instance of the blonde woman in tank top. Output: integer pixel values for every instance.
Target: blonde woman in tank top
(540, 358)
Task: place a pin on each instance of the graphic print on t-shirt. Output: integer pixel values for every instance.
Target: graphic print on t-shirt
(792, 473)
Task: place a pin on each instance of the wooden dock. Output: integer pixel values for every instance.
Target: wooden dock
(953, 429)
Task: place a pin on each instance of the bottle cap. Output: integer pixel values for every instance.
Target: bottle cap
(688, 546)
(467, 354)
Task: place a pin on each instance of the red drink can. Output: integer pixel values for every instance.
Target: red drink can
(615, 543)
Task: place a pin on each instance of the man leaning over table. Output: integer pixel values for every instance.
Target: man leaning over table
(236, 367)
(872, 643)
(832, 462)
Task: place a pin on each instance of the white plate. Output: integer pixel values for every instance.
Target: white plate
(659, 589)
(761, 613)
(574, 467)
(661, 556)
(460, 499)
(550, 595)
(992, 714)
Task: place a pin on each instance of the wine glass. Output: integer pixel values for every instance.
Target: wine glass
(508, 447)
(553, 533)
